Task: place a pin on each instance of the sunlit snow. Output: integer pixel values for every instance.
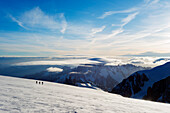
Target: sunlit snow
(23, 95)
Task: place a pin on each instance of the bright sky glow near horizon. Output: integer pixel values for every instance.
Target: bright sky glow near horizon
(84, 27)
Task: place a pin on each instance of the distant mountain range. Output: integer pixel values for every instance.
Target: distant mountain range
(151, 84)
(90, 75)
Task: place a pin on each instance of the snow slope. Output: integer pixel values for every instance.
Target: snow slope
(23, 95)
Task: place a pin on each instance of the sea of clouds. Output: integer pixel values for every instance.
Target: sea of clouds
(75, 61)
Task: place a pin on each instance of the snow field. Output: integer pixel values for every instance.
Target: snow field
(23, 95)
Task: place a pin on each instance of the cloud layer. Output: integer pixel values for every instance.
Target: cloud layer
(112, 61)
(54, 69)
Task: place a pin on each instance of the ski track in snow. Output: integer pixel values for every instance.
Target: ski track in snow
(25, 96)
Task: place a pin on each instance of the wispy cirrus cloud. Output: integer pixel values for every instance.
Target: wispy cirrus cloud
(116, 32)
(153, 1)
(37, 19)
(63, 23)
(129, 18)
(17, 21)
(97, 30)
(130, 10)
(108, 13)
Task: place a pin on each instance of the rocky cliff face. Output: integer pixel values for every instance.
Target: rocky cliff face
(160, 91)
(151, 84)
(131, 85)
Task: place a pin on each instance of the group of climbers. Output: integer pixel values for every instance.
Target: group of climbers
(38, 82)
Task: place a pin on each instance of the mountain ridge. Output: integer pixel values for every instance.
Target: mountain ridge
(137, 84)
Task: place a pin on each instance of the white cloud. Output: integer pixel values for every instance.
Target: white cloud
(17, 21)
(115, 12)
(154, 2)
(37, 19)
(104, 37)
(54, 69)
(129, 18)
(72, 62)
(97, 30)
(114, 33)
(64, 23)
(146, 1)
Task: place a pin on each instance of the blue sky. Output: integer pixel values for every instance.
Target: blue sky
(84, 27)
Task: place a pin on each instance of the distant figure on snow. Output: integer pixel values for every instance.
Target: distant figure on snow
(38, 82)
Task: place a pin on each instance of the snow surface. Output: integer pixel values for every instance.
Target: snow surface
(23, 95)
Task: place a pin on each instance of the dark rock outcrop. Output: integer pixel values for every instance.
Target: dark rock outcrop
(160, 91)
(153, 84)
(131, 85)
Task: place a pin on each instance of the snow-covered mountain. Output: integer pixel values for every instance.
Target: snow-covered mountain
(151, 84)
(25, 96)
(90, 75)
(86, 71)
(80, 71)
